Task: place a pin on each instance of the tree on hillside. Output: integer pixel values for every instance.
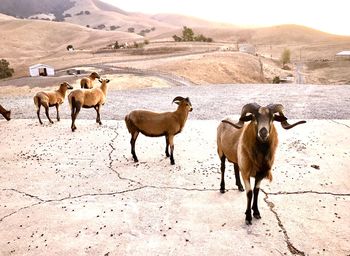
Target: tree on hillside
(285, 57)
(5, 70)
(187, 34)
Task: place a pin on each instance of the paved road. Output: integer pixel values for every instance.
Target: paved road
(212, 102)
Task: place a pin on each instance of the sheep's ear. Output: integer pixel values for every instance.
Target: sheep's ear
(100, 81)
(246, 118)
(107, 81)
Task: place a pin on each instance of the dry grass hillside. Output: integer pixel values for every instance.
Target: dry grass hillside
(27, 42)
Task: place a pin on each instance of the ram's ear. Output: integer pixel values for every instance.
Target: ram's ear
(100, 80)
(246, 118)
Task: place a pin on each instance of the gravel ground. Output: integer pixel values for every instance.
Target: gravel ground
(210, 102)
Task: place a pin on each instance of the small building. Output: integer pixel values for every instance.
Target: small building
(247, 48)
(41, 70)
(343, 55)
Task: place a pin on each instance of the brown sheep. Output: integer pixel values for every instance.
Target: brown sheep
(5, 113)
(154, 124)
(51, 98)
(87, 82)
(251, 148)
(88, 98)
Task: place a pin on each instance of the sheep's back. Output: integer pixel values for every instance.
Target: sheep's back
(227, 141)
(153, 123)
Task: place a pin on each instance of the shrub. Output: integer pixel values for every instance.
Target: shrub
(285, 57)
(131, 30)
(114, 27)
(188, 35)
(102, 26)
(87, 13)
(177, 38)
(276, 80)
(116, 45)
(5, 70)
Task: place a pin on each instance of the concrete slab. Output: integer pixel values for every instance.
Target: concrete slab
(64, 193)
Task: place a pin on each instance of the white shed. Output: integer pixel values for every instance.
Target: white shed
(343, 55)
(41, 70)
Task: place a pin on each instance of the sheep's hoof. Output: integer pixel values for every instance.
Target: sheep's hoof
(222, 190)
(240, 188)
(257, 215)
(248, 222)
(136, 160)
(167, 154)
(172, 162)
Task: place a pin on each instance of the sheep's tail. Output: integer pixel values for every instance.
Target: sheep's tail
(129, 124)
(37, 102)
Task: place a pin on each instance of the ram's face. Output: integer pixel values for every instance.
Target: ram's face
(263, 121)
(189, 104)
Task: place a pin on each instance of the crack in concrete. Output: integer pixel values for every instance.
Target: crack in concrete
(292, 249)
(306, 192)
(110, 165)
(20, 209)
(23, 193)
(340, 123)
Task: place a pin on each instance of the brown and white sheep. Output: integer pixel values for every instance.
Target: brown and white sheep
(251, 148)
(87, 82)
(5, 113)
(50, 99)
(155, 124)
(88, 98)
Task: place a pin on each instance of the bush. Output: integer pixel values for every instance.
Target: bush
(276, 80)
(285, 57)
(87, 13)
(188, 36)
(5, 70)
(102, 26)
(131, 30)
(114, 27)
(177, 38)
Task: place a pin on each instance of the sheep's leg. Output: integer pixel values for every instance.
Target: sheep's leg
(58, 113)
(38, 114)
(256, 212)
(47, 113)
(248, 212)
(238, 179)
(75, 112)
(167, 146)
(222, 184)
(171, 143)
(98, 118)
(132, 142)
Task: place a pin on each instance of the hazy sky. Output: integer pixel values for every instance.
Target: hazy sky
(327, 15)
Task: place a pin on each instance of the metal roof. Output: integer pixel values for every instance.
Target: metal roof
(40, 65)
(343, 53)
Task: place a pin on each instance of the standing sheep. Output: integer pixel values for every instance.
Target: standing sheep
(50, 99)
(154, 124)
(5, 113)
(87, 82)
(251, 148)
(88, 98)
